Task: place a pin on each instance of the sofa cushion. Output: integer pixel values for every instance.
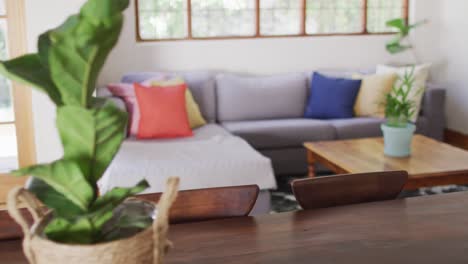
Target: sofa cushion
(267, 134)
(163, 112)
(212, 158)
(200, 83)
(331, 97)
(195, 117)
(243, 98)
(371, 96)
(359, 127)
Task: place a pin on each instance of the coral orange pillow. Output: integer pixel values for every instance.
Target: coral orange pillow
(163, 112)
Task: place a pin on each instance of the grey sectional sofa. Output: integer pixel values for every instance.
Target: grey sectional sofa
(268, 113)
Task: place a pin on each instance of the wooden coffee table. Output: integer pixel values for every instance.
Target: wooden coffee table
(431, 163)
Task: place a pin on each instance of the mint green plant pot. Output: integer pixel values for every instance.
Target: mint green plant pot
(397, 140)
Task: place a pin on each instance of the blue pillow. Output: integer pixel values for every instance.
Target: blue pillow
(331, 97)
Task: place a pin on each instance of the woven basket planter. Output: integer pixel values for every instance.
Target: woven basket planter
(148, 246)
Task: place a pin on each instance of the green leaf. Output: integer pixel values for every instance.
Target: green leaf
(100, 218)
(117, 195)
(80, 231)
(79, 51)
(398, 107)
(92, 136)
(403, 29)
(400, 25)
(396, 47)
(102, 9)
(126, 224)
(28, 69)
(52, 199)
(66, 178)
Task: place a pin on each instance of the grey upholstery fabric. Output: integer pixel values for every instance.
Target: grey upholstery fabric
(263, 203)
(422, 126)
(288, 160)
(258, 98)
(200, 83)
(344, 73)
(139, 77)
(281, 133)
(203, 88)
(359, 127)
(433, 109)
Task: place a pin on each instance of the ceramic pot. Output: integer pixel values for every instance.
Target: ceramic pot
(397, 140)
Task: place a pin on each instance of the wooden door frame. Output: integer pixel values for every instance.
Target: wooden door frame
(22, 95)
(22, 98)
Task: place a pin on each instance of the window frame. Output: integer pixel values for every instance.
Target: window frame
(302, 33)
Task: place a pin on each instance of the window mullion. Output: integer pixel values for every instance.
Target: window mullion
(257, 18)
(364, 16)
(406, 10)
(303, 17)
(189, 19)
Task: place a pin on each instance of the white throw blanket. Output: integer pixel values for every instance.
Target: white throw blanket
(212, 158)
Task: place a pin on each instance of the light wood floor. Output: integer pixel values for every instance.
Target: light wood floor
(7, 182)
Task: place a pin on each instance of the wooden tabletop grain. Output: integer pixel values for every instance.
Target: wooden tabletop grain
(431, 163)
(423, 230)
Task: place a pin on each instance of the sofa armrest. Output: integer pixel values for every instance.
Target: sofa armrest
(433, 109)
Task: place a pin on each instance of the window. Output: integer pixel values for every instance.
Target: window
(6, 102)
(223, 18)
(163, 19)
(380, 11)
(334, 16)
(280, 17)
(8, 149)
(202, 19)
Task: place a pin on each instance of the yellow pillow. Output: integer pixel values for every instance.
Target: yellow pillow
(193, 110)
(371, 97)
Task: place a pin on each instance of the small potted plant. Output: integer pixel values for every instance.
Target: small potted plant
(73, 222)
(399, 109)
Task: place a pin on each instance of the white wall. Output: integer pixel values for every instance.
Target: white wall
(453, 34)
(262, 56)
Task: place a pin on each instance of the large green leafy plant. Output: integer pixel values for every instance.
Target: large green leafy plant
(91, 129)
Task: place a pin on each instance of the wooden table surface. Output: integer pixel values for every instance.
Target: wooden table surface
(423, 230)
(431, 163)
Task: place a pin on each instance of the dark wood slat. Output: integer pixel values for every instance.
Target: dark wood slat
(423, 230)
(348, 189)
(190, 206)
(303, 17)
(209, 204)
(456, 139)
(8, 227)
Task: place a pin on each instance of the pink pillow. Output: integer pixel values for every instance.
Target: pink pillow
(126, 91)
